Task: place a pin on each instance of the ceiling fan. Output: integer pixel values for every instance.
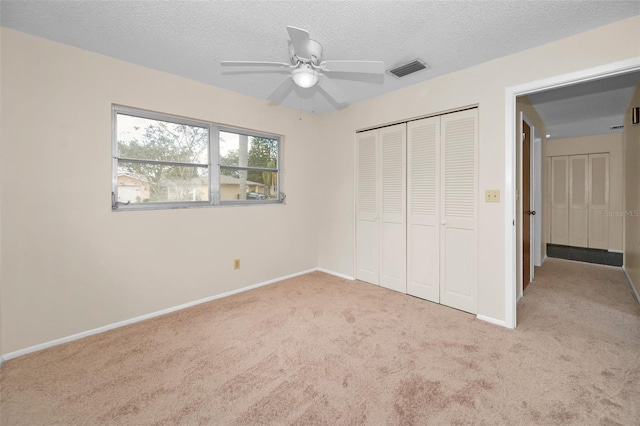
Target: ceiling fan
(307, 67)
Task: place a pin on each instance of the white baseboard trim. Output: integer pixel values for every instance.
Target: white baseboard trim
(544, 259)
(337, 274)
(633, 288)
(492, 320)
(118, 324)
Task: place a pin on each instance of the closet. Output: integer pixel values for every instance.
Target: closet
(381, 207)
(579, 200)
(416, 216)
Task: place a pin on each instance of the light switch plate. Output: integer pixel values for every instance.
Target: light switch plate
(492, 196)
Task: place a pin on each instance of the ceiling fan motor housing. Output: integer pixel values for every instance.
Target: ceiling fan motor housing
(315, 49)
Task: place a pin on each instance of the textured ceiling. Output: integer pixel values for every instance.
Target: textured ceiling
(191, 38)
(586, 109)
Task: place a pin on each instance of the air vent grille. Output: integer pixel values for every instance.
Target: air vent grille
(621, 126)
(410, 68)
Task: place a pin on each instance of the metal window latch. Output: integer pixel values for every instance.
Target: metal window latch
(115, 203)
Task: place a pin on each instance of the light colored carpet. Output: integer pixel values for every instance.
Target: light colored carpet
(317, 349)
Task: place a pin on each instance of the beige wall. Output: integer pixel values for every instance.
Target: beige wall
(611, 143)
(69, 264)
(1, 183)
(632, 194)
(483, 85)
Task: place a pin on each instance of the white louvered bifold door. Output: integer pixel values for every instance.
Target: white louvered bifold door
(423, 204)
(367, 207)
(458, 226)
(393, 224)
(560, 200)
(578, 199)
(598, 201)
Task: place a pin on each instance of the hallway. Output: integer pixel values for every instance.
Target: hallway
(582, 300)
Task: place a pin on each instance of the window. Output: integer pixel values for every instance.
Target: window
(161, 161)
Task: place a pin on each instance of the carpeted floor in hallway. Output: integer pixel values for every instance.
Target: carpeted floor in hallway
(317, 349)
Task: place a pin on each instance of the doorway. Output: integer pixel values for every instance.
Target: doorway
(513, 262)
(525, 209)
(526, 205)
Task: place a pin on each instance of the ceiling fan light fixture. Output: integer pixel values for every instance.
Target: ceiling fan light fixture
(305, 76)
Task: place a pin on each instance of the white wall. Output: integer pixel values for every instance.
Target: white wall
(70, 264)
(611, 143)
(483, 85)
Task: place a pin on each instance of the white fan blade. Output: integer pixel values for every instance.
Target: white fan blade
(255, 63)
(331, 89)
(301, 42)
(370, 67)
(281, 91)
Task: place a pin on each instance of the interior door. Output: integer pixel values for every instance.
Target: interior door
(578, 207)
(526, 204)
(458, 210)
(560, 200)
(393, 225)
(367, 204)
(423, 228)
(598, 201)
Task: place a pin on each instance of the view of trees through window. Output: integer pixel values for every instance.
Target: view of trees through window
(163, 161)
(172, 160)
(236, 151)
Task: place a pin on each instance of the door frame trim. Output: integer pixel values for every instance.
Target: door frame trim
(595, 73)
(538, 174)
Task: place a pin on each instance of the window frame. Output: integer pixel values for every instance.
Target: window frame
(213, 164)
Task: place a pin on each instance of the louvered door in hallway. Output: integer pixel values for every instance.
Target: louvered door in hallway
(580, 200)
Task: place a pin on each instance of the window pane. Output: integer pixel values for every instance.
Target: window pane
(143, 183)
(235, 185)
(248, 151)
(146, 139)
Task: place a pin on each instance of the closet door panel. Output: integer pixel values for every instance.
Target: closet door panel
(423, 199)
(393, 256)
(460, 269)
(560, 200)
(578, 201)
(598, 201)
(458, 235)
(367, 204)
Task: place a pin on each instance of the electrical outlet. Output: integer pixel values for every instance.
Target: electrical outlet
(492, 196)
(236, 263)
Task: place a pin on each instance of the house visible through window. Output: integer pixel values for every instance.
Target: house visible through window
(161, 161)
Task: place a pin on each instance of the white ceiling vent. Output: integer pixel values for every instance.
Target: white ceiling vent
(409, 68)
